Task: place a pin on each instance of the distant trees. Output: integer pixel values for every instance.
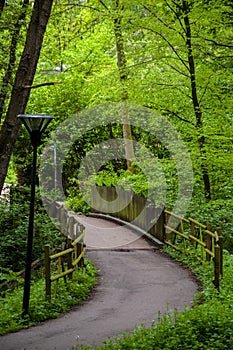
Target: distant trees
(173, 56)
(187, 58)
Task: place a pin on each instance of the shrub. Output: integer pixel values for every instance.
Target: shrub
(68, 295)
(14, 228)
(218, 213)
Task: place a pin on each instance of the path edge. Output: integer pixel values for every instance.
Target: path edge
(155, 240)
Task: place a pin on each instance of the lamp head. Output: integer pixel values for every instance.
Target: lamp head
(35, 125)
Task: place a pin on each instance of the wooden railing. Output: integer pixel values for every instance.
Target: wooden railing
(66, 262)
(193, 238)
(69, 258)
(187, 235)
(132, 208)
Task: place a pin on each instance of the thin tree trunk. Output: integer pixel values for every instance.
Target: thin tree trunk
(7, 78)
(196, 104)
(122, 68)
(2, 3)
(24, 76)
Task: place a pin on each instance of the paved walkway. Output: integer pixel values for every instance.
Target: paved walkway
(135, 282)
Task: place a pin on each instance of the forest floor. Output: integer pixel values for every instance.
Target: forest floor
(135, 282)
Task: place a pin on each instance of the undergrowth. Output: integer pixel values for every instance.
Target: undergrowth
(69, 294)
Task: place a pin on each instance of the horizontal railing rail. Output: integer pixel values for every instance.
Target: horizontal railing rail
(194, 238)
(71, 256)
(187, 235)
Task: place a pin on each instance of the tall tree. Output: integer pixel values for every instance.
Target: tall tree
(157, 58)
(10, 68)
(195, 99)
(23, 79)
(123, 74)
(181, 66)
(2, 3)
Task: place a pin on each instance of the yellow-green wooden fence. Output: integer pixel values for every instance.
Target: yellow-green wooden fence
(68, 259)
(193, 238)
(188, 236)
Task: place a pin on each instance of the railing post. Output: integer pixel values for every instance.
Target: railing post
(163, 223)
(220, 242)
(69, 257)
(167, 216)
(216, 266)
(58, 214)
(71, 223)
(47, 273)
(208, 243)
(192, 232)
(79, 252)
(63, 219)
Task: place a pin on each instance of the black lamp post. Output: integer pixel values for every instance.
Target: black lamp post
(35, 125)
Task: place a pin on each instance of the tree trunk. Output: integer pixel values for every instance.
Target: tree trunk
(196, 104)
(122, 67)
(7, 78)
(2, 3)
(24, 77)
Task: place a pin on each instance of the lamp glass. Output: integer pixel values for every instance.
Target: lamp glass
(35, 122)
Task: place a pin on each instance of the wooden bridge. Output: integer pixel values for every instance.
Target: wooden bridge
(188, 236)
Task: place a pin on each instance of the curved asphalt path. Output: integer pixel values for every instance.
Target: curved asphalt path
(135, 282)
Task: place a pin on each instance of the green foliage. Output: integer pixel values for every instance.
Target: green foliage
(76, 202)
(11, 175)
(68, 295)
(8, 281)
(13, 22)
(78, 199)
(218, 213)
(158, 77)
(14, 228)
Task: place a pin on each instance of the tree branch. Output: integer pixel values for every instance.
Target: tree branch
(80, 63)
(177, 16)
(178, 116)
(217, 43)
(163, 22)
(169, 44)
(103, 4)
(204, 91)
(43, 84)
(71, 6)
(178, 71)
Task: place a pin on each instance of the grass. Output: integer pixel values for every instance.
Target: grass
(73, 292)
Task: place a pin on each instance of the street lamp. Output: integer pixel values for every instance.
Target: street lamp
(35, 125)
